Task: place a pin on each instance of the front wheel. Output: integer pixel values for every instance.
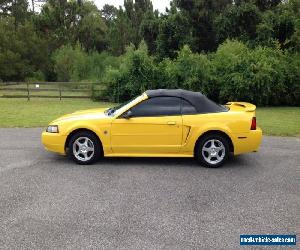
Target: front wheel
(84, 148)
(212, 150)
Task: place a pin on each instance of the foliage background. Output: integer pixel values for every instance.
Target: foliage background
(245, 50)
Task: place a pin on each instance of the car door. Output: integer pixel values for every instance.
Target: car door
(155, 127)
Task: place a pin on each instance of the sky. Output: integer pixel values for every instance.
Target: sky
(157, 4)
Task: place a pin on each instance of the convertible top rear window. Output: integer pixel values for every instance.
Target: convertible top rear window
(187, 108)
(201, 103)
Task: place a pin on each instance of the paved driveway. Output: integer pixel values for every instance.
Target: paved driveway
(46, 201)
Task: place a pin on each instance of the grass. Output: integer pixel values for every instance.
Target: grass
(281, 121)
(38, 112)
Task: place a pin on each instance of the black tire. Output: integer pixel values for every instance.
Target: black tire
(206, 140)
(95, 143)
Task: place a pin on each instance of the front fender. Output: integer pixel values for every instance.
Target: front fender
(101, 130)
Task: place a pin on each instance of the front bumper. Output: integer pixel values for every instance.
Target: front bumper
(248, 142)
(54, 142)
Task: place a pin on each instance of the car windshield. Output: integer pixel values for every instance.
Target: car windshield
(113, 110)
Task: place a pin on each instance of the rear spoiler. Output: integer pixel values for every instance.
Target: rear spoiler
(247, 106)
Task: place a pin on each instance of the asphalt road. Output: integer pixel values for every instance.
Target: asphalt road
(48, 202)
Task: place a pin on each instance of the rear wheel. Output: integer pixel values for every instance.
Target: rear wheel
(84, 148)
(212, 150)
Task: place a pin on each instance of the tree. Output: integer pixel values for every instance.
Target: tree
(71, 21)
(238, 21)
(127, 25)
(263, 5)
(201, 15)
(281, 25)
(91, 28)
(120, 33)
(109, 13)
(22, 51)
(18, 9)
(174, 32)
(149, 30)
(135, 11)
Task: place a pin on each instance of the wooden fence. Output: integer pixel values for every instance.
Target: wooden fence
(50, 89)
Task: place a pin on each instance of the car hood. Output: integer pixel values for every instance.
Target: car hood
(89, 114)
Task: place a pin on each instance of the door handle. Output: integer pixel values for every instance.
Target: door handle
(171, 123)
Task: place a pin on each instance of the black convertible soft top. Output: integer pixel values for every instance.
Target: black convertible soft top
(197, 99)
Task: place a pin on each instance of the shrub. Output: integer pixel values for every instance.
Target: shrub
(188, 71)
(135, 74)
(70, 63)
(262, 75)
(74, 64)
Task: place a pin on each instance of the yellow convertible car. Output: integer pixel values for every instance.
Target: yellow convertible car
(158, 123)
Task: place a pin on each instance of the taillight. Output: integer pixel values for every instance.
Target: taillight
(253, 123)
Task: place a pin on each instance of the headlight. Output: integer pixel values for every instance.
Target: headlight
(52, 129)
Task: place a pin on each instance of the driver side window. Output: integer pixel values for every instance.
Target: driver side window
(157, 106)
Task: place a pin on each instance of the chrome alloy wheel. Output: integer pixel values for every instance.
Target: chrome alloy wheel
(83, 149)
(213, 151)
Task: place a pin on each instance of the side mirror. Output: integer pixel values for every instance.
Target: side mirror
(127, 114)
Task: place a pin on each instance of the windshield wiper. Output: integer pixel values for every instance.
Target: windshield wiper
(107, 111)
(110, 111)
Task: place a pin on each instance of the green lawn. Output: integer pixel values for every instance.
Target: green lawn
(39, 112)
(282, 121)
